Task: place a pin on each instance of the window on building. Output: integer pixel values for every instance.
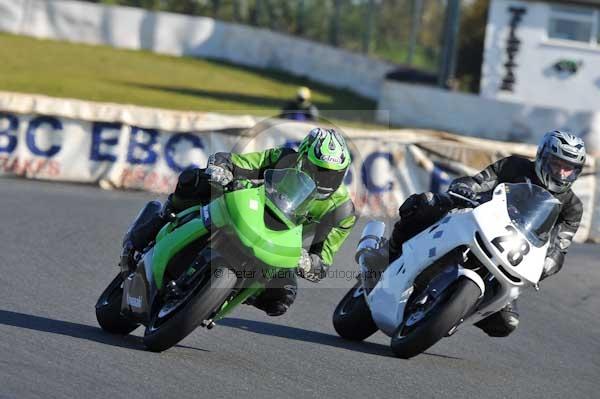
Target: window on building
(574, 23)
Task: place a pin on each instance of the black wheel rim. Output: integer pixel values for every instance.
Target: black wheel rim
(415, 317)
(170, 308)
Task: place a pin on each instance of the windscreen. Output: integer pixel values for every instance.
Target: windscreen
(290, 192)
(533, 210)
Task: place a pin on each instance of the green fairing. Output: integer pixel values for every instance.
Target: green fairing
(243, 211)
(275, 248)
(170, 241)
(170, 226)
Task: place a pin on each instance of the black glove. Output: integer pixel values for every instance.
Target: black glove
(311, 267)
(464, 190)
(425, 202)
(193, 187)
(412, 205)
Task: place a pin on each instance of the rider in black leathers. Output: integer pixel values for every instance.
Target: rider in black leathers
(559, 161)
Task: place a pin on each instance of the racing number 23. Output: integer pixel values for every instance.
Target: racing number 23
(518, 250)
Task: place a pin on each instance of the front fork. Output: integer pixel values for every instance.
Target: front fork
(127, 259)
(254, 289)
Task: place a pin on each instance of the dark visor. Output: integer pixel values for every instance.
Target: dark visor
(327, 180)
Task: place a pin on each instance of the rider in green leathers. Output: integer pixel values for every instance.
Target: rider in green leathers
(323, 155)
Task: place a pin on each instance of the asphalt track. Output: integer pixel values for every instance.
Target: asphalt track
(58, 249)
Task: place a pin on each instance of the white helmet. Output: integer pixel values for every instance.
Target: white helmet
(559, 160)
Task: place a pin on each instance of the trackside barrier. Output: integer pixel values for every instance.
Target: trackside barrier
(128, 147)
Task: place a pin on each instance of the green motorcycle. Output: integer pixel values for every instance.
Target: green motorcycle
(209, 259)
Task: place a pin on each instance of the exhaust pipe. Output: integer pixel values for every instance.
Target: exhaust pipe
(371, 238)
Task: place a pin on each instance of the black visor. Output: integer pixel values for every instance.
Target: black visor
(327, 180)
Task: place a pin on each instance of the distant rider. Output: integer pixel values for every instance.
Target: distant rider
(323, 155)
(301, 108)
(559, 161)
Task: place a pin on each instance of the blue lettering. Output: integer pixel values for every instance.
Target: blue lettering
(11, 140)
(348, 178)
(439, 180)
(35, 123)
(366, 172)
(98, 141)
(293, 144)
(142, 147)
(349, 173)
(171, 149)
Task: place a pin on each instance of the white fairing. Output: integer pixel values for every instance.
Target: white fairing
(388, 298)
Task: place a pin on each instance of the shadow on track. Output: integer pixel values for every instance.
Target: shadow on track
(74, 330)
(299, 334)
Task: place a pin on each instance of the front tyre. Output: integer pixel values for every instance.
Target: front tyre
(168, 328)
(352, 317)
(108, 309)
(447, 312)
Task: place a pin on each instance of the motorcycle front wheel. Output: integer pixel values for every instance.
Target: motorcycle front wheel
(352, 318)
(175, 320)
(108, 309)
(423, 328)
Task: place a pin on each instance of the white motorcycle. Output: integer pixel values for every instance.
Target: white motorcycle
(465, 267)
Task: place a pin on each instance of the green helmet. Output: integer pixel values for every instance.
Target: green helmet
(324, 156)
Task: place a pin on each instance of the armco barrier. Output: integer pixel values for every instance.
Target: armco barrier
(176, 34)
(142, 148)
(467, 114)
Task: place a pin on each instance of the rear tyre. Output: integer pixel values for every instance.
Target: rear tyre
(454, 305)
(108, 309)
(352, 317)
(164, 332)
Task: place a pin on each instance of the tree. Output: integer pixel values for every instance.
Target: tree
(471, 43)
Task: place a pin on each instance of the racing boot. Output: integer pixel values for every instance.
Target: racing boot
(278, 296)
(147, 224)
(501, 323)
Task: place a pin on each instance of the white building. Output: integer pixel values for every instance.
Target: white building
(543, 53)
